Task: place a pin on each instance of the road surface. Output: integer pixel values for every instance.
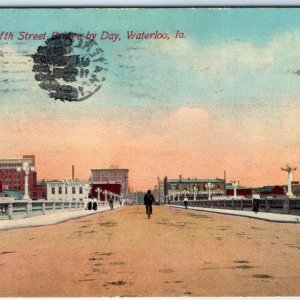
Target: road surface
(175, 253)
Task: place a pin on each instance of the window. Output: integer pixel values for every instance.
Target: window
(80, 190)
(53, 190)
(73, 190)
(66, 190)
(60, 190)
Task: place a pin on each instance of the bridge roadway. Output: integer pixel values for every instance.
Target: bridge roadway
(175, 253)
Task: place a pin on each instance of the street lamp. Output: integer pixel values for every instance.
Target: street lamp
(209, 186)
(105, 195)
(234, 185)
(195, 192)
(98, 190)
(185, 191)
(290, 171)
(26, 169)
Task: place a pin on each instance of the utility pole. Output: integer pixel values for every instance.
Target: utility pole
(158, 180)
(225, 192)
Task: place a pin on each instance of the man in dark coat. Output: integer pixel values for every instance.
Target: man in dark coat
(148, 201)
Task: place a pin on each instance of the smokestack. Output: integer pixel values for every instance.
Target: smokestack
(180, 177)
(73, 172)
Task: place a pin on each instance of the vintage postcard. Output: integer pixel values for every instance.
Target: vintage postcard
(149, 152)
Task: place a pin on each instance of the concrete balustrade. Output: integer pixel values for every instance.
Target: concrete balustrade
(14, 209)
(284, 205)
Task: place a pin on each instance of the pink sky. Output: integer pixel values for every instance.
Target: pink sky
(197, 142)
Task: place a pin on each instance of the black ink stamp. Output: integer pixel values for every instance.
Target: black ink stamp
(69, 67)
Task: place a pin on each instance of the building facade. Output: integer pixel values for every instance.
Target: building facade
(272, 190)
(240, 191)
(67, 190)
(193, 185)
(13, 180)
(105, 188)
(112, 176)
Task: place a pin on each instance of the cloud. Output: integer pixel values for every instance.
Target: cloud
(224, 72)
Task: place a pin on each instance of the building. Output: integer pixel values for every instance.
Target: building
(108, 187)
(240, 191)
(272, 190)
(13, 180)
(158, 192)
(191, 185)
(58, 190)
(115, 175)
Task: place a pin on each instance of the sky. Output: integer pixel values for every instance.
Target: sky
(224, 97)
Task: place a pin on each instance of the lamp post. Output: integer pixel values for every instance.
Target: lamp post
(289, 170)
(235, 185)
(209, 186)
(26, 169)
(195, 192)
(98, 190)
(105, 195)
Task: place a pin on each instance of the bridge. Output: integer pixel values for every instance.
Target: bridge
(177, 252)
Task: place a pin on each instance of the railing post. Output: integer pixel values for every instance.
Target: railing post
(43, 207)
(242, 204)
(286, 206)
(10, 210)
(54, 205)
(267, 205)
(70, 205)
(29, 208)
(62, 205)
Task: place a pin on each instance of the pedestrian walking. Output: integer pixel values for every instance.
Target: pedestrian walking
(111, 202)
(148, 201)
(255, 202)
(185, 202)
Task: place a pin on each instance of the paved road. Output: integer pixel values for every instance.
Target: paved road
(175, 253)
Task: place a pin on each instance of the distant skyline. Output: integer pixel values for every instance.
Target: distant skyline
(226, 97)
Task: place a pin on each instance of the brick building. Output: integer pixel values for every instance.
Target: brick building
(109, 187)
(112, 176)
(12, 180)
(240, 191)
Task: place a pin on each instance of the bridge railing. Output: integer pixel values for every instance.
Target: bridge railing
(16, 209)
(282, 205)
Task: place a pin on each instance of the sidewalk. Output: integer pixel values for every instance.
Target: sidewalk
(271, 217)
(50, 219)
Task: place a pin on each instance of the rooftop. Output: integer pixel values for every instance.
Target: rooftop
(109, 169)
(14, 194)
(194, 180)
(239, 187)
